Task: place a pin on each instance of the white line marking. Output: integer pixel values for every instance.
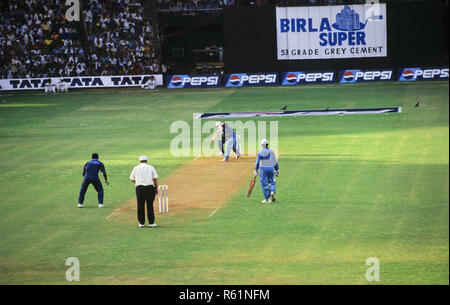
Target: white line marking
(214, 212)
(113, 213)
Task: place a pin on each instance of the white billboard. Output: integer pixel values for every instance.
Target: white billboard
(334, 31)
(79, 82)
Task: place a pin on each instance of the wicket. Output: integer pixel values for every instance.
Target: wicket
(163, 196)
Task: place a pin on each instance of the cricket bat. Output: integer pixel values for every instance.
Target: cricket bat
(250, 187)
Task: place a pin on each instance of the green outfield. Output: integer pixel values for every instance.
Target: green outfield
(351, 187)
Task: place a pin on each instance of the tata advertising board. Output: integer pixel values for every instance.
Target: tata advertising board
(338, 31)
(79, 82)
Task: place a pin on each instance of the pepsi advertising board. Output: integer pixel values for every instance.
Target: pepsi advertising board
(414, 74)
(298, 78)
(193, 81)
(356, 76)
(334, 31)
(251, 79)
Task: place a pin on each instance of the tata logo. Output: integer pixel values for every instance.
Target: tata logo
(295, 78)
(256, 79)
(352, 76)
(413, 74)
(183, 81)
(74, 82)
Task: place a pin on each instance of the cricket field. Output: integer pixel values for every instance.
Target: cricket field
(350, 188)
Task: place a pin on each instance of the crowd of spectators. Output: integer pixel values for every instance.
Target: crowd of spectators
(120, 37)
(36, 40)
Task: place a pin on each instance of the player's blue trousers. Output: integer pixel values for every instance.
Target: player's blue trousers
(267, 179)
(97, 185)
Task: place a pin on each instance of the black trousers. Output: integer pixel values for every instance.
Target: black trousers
(97, 185)
(145, 194)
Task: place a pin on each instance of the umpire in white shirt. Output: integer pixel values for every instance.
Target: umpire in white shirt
(144, 177)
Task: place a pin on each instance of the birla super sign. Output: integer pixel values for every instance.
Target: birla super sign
(337, 31)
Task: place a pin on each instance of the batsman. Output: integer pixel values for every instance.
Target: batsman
(268, 169)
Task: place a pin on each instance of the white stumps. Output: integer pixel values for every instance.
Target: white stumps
(163, 197)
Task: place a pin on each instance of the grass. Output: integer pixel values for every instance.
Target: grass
(351, 187)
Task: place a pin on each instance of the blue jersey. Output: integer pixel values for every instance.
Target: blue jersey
(92, 168)
(267, 158)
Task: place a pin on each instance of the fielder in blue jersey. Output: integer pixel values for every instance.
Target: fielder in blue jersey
(90, 175)
(269, 169)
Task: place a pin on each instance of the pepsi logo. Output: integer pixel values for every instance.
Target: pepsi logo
(408, 74)
(349, 75)
(176, 81)
(291, 78)
(234, 80)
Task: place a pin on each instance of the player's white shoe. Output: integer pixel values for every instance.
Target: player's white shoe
(224, 160)
(100, 205)
(266, 201)
(141, 226)
(272, 196)
(152, 225)
(80, 205)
